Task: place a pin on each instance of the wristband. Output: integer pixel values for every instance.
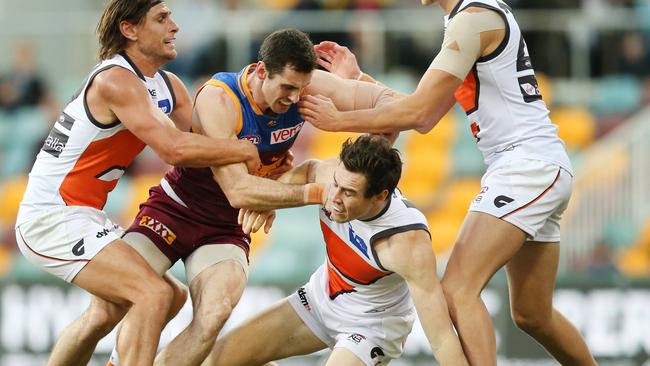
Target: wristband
(314, 193)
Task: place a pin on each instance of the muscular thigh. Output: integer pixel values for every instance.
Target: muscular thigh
(531, 277)
(344, 357)
(274, 334)
(485, 243)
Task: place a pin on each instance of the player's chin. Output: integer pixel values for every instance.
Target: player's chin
(339, 218)
(170, 54)
(281, 108)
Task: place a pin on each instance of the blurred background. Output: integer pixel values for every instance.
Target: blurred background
(592, 59)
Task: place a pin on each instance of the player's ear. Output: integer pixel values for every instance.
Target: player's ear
(382, 195)
(260, 69)
(128, 30)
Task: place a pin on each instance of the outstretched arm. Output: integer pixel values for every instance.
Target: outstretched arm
(118, 94)
(472, 33)
(410, 255)
(310, 171)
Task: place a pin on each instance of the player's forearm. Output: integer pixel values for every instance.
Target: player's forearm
(301, 174)
(436, 322)
(263, 194)
(450, 352)
(194, 150)
(384, 119)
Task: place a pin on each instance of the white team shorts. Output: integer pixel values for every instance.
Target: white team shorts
(530, 194)
(63, 240)
(374, 340)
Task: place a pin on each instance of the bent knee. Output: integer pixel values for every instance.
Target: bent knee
(530, 321)
(155, 292)
(100, 319)
(211, 318)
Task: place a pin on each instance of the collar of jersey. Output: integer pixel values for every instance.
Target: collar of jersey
(242, 83)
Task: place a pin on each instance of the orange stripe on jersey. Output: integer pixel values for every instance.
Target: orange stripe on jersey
(347, 261)
(224, 86)
(82, 186)
(467, 92)
(242, 82)
(337, 285)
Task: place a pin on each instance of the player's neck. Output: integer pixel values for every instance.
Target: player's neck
(145, 64)
(448, 5)
(255, 86)
(376, 210)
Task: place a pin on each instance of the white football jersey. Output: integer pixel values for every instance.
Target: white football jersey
(82, 160)
(501, 98)
(352, 281)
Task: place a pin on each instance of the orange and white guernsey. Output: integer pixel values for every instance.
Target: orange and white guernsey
(82, 160)
(501, 98)
(352, 281)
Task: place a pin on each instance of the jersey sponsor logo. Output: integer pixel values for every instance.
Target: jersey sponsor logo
(56, 140)
(302, 295)
(285, 134)
(255, 139)
(152, 92)
(165, 106)
(159, 228)
(357, 241)
(501, 201)
(356, 337)
(272, 123)
(78, 249)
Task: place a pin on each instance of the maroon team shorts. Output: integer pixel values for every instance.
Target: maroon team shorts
(177, 230)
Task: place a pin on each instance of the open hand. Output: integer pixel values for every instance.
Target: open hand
(320, 111)
(251, 221)
(338, 60)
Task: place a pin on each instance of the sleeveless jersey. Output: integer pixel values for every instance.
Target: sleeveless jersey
(272, 135)
(352, 280)
(82, 160)
(501, 98)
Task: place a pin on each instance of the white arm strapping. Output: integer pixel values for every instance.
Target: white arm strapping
(461, 46)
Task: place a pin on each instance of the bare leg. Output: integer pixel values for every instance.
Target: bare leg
(343, 357)
(531, 279)
(179, 299)
(484, 244)
(77, 343)
(120, 275)
(215, 292)
(274, 334)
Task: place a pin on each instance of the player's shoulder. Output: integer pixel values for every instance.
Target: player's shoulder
(116, 81)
